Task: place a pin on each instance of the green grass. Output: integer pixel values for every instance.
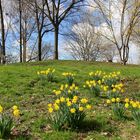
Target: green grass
(20, 85)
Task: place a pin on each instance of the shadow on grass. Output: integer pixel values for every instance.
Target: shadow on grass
(98, 126)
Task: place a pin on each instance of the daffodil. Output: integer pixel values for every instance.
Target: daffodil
(72, 110)
(88, 107)
(50, 110)
(1, 109)
(113, 100)
(81, 108)
(108, 101)
(126, 105)
(16, 112)
(84, 100)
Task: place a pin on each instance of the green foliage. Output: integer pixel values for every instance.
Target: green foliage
(6, 126)
(118, 110)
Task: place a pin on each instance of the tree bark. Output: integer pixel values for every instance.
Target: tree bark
(3, 35)
(39, 47)
(56, 32)
(20, 18)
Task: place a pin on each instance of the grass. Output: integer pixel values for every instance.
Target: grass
(20, 85)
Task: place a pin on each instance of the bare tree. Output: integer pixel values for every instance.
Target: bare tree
(83, 42)
(126, 23)
(57, 11)
(42, 25)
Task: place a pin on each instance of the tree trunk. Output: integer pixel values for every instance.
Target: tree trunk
(56, 32)
(2, 35)
(24, 50)
(39, 47)
(20, 18)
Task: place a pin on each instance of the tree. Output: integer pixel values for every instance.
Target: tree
(42, 25)
(115, 13)
(57, 11)
(2, 43)
(83, 42)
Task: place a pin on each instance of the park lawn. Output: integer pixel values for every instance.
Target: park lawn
(20, 85)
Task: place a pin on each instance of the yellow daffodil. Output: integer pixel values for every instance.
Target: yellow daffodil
(88, 107)
(50, 110)
(72, 110)
(134, 105)
(118, 100)
(126, 100)
(1, 109)
(56, 107)
(69, 103)
(113, 100)
(57, 101)
(62, 99)
(15, 107)
(84, 101)
(16, 112)
(81, 108)
(108, 101)
(49, 105)
(126, 105)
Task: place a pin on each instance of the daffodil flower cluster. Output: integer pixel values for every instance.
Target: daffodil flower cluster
(117, 106)
(66, 90)
(134, 106)
(49, 73)
(98, 75)
(7, 121)
(68, 111)
(69, 76)
(94, 86)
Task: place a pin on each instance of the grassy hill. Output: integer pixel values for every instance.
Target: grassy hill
(20, 85)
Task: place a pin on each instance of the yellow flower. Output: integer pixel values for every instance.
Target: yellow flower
(69, 103)
(16, 112)
(84, 100)
(105, 88)
(81, 108)
(126, 105)
(118, 100)
(62, 99)
(49, 105)
(134, 105)
(122, 91)
(75, 97)
(56, 107)
(114, 90)
(57, 101)
(15, 107)
(57, 92)
(74, 100)
(126, 100)
(50, 110)
(108, 102)
(72, 110)
(88, 106)
(113, 100)
(1, 109)
(38, 72)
